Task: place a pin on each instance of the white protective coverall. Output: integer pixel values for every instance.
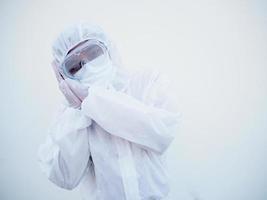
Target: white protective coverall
(113, 148)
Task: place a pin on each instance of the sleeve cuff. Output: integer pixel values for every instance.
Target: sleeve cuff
(69, 121)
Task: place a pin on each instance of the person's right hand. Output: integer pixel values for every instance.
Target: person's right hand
(73, 90)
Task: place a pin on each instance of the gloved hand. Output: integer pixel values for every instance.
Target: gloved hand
(73, 90)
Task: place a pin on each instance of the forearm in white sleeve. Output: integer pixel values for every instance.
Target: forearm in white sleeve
(129, 118)
(64, 155)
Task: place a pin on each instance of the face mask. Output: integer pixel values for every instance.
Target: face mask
(97, 72)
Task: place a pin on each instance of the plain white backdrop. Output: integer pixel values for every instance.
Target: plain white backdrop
(214, 51)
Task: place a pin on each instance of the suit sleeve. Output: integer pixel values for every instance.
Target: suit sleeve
(65, 153)
(152, 124)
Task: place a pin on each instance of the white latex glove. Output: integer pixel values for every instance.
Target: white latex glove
(73, 90)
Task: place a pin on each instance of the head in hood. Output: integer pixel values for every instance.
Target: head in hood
(110, 75)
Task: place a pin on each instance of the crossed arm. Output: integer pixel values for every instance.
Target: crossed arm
(65, 154)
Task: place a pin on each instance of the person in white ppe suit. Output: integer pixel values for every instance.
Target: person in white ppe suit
(111, 135)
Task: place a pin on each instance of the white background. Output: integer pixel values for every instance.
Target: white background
(216, 53)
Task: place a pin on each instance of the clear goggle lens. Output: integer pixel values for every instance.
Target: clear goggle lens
(88, 52)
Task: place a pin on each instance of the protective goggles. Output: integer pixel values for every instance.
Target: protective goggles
(86, 52)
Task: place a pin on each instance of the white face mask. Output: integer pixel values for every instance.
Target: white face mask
(97, 73)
